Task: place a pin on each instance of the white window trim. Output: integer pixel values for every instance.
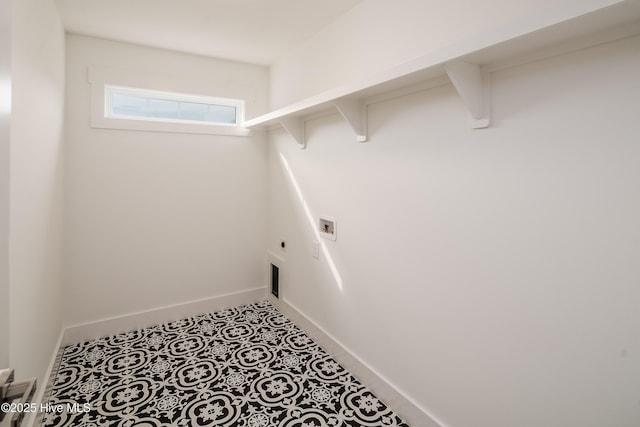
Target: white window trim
(172, 96)
(100, 78)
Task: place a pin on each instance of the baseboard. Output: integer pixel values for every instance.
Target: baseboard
(44, 390)
(409, 410)
(115, 325)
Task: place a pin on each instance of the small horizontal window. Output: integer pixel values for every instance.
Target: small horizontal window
(150, 105)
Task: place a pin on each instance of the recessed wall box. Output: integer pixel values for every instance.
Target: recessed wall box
(328, 227)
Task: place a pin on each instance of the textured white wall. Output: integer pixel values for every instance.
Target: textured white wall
(378, 34)
(155, 219)
(491, 275)
(36, 186)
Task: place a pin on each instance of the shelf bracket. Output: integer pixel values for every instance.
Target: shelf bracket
(473, 86)
(355, 113)
(295, 127)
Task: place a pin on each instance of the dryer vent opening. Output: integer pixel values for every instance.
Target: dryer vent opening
(275, 277)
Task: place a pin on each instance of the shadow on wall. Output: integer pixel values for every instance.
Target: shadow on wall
(312, 222)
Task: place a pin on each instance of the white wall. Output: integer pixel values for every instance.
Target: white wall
(490, 275)
(378, 34)
(36, 186)
(5, 136)
(156, 219)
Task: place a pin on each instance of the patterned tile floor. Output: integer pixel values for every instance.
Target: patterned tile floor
(249, 366)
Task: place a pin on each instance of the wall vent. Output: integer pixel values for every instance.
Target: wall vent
(275, 277)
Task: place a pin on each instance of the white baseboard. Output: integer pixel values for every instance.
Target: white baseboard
(88, 331)
(414, 414)
(44, 390)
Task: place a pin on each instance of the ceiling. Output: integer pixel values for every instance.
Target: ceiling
(255, 31)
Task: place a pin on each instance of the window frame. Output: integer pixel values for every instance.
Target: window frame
(110, 90)
(101, 79)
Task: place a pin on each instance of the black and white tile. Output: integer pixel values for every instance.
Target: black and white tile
(248, 366)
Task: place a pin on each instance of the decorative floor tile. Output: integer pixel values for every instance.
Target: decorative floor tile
(248, 366)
